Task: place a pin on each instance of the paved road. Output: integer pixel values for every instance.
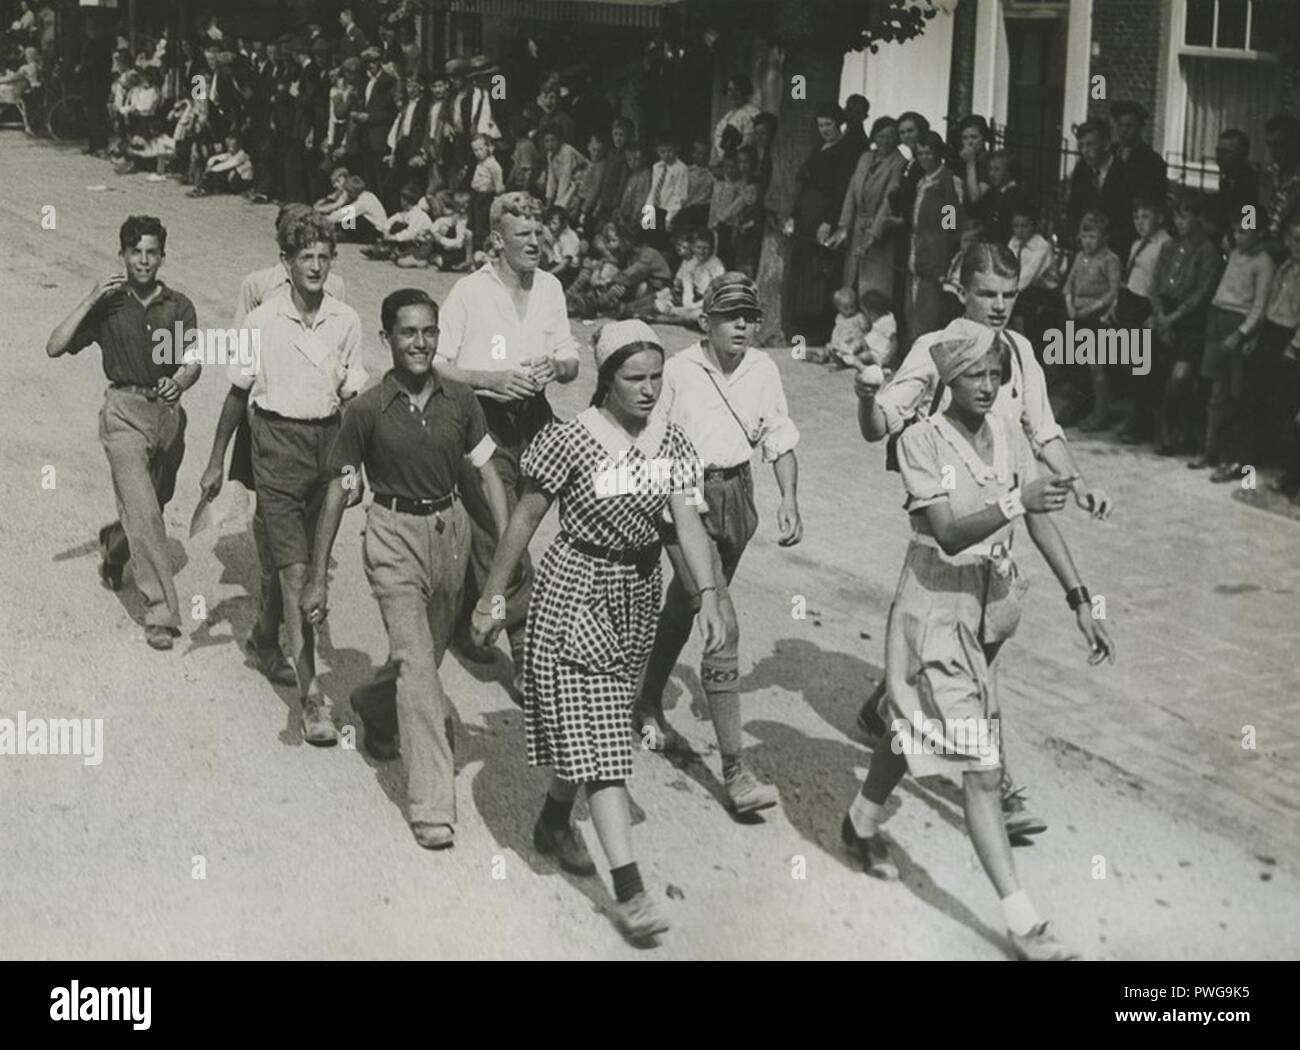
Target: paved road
(1139, 767)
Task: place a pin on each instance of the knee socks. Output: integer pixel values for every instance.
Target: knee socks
(720, 674)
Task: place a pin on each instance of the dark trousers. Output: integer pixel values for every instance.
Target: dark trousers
(1254, 430)
(268, 168)
(1225, 372)
(512, 424)
(97, 123)
(295, 172)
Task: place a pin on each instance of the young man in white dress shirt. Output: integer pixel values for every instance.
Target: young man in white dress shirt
(306, 362)
(264, 641)
(505, 333)
(728, 398)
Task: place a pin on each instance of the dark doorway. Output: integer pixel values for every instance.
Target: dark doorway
(1035, 98)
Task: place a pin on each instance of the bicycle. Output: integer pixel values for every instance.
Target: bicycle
(65, 110)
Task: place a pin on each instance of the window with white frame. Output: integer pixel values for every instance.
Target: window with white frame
(1228, 72)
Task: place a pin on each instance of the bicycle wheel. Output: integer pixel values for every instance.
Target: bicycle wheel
(67, 119)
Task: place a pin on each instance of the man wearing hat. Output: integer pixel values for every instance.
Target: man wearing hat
(728, 398)
(375, 117)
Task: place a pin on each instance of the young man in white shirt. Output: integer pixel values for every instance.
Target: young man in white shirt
(728, 398)
(305, 363)
(505, 333)
(264, 641)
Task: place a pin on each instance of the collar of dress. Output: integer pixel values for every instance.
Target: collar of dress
(999, 470)
(617, 443)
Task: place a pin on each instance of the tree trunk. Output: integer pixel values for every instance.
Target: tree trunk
(819, 62)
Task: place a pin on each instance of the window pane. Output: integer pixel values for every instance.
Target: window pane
(1232, 23)
(1266, 30)
(1200, 23)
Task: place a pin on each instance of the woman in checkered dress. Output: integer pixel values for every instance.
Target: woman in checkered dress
(595, 600)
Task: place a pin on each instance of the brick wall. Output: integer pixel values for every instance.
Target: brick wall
(1126, 36)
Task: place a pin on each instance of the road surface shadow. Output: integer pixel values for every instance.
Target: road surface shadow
(508, 794)
(816, 775)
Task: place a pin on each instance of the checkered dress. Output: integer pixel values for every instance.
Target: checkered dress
(591, 622)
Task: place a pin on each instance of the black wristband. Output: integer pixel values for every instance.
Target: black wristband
(1077, 596)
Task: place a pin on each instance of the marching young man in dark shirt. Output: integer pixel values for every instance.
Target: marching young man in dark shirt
(412, 433)
(142, 424)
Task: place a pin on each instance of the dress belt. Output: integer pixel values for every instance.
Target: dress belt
(422, 507)
(989, 551)
(620, 556)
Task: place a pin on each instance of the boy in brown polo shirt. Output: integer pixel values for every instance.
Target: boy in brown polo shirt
(142, 424)
(412, 433)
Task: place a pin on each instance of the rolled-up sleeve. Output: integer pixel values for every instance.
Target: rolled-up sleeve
(452, 320)
(1036, 416)
(912, 384)
(560, 342)
(355, 376)
(242, 368)
(780, 435)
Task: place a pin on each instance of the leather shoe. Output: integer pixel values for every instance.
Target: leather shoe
(434, 836)
(158, 636)
(567, 847)
(872, 852)
(317, 726)
(272, 662)
(1227, 472)
(640, 918)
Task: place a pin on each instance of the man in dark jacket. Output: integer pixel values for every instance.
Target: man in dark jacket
(94, 71)
(1144, 170)
(1099, 183)
(375, 117)
(412, 131)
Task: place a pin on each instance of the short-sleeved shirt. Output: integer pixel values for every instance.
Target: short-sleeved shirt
(407, 451)
(593, 469)
(296, 371)
(1023, 400)
(482, 331)
(696, 395)
(128, 334)
(937, 463)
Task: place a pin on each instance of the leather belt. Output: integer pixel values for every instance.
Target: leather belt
(640, 556)
(266, 413)
(151, 392)
(422, 507)
(725, 473)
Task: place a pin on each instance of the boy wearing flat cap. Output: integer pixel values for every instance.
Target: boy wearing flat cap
(727, 397)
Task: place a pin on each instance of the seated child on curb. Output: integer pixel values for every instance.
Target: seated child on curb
(562, 253)
(405, 230)
(230, 171)
(683, 302)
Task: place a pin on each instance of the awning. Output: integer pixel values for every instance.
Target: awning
(626, 14)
